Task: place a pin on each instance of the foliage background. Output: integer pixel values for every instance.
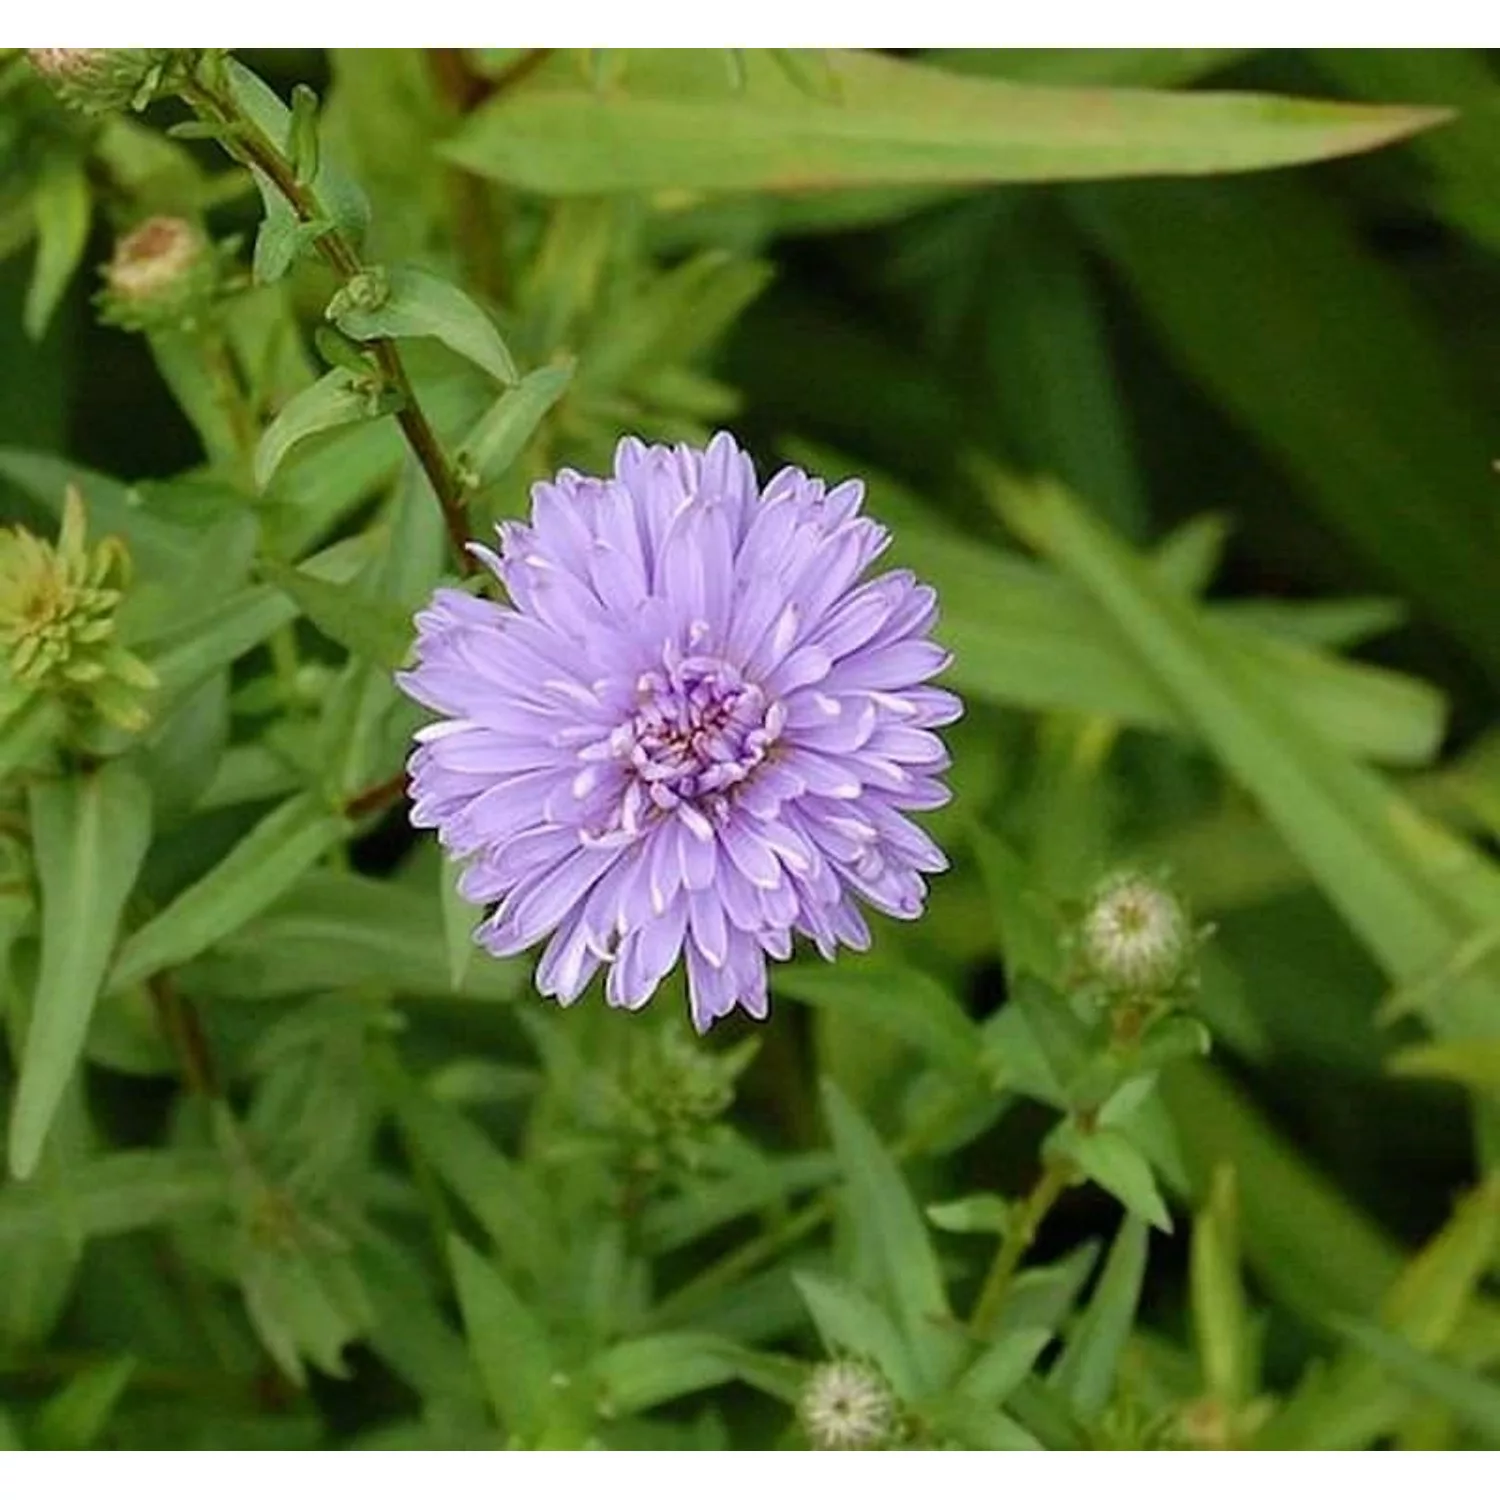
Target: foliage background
(1276, 384)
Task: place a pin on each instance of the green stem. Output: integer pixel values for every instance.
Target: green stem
(244, 136)
(1056, 1176)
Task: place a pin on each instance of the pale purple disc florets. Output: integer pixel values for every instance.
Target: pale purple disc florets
(693, 733)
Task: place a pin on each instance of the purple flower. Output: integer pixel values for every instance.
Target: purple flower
(693, 731)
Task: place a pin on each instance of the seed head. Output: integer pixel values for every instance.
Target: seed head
(848, 1404)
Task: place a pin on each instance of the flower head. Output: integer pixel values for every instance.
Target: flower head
(57, 618)
(161, 274)
(847, 1404)
(693, 731)
(1136, 936)
(99, 79)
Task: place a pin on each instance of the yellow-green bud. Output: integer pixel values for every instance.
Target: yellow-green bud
(99, 79)
(161, 275)
(1136, 937)
(57, 618)
(848, 1404)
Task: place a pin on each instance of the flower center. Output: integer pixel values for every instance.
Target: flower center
(698, 730)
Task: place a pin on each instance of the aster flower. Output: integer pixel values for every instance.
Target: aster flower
(692, 733)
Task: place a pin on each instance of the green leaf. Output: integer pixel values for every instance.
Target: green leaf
(510, 1347)
(660, 1367)
(904, 1001)
(979, 1213)
(27, 731)
(114, 1194)
(1085, 1372)
(1062, 652)
(1154, 67)
(1376, 414)
(1220, 1317)
(214, 639)
(501, 434)
(1433, 1300)
(64, 208)
(335, 931)
(502, 1198)
(260, 869)
(1411, 890)
(337, 194)
(1009, 1359)
(305, 1300)
(75, 1418)
(850, 1322)
(345, 612)
(1311, 1248)
(460, 918)
(1109, 1158)
(335, 400)
(418, 304)
(890, 1224)
(1473, 1400)
(160, 548)
(679, 123)
(90, 834)
(1462, 179)
(1474, 1063)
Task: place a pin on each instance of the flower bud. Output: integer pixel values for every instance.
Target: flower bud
(99, 79)
(1136, 937)
(57, 618)
(848, 1404)
(161, 275)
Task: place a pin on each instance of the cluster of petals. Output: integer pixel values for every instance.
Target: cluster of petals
(693, 733)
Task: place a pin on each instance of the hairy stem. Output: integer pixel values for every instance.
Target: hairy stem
(245, 137)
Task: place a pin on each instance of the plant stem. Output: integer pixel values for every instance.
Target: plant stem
(1049, 1187)
(179, 1021)
(244, 136)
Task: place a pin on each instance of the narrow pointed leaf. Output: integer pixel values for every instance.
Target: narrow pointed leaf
(260, 869)
(510, 1347)
(1086, 1371)
(677, 122)
(90, 834)
(418, 304)
(335, 400)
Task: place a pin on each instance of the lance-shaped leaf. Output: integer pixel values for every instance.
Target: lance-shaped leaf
(1412, 891)
(503, 431)
(335, 400)
(262, 867)
(510, 1347)
(678, 122)
(90, 834)
(890, 1223)
(1086, 1371)
(417, 304)
(63, 208)
(345, 612)
(113, 1195)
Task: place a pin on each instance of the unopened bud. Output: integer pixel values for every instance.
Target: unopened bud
(1136, 937)
(848, 1404)
(57, 618)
